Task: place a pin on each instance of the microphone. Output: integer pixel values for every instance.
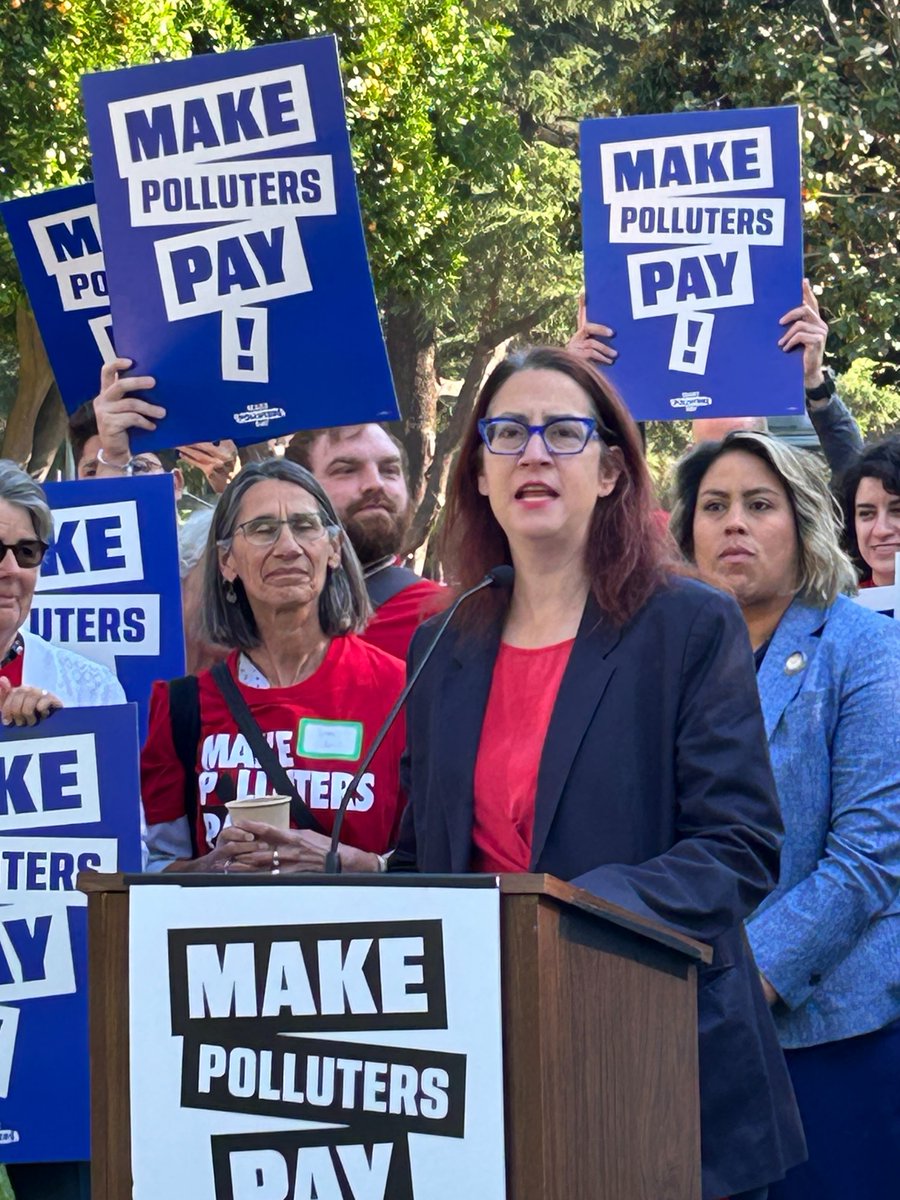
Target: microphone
(501, 576)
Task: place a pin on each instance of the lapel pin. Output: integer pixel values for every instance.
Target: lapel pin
(795, 663)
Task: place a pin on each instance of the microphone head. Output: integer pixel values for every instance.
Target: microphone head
(502, 576)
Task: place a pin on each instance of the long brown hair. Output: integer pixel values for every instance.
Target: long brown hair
(628, 555)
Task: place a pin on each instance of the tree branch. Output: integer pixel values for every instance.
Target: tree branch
(509, 329)
(832, 22)
(484, 354)
(35, 379)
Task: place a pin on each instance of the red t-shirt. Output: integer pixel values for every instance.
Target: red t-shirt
(395, 621)
(523, 693)
(13, 670)
(320, 729)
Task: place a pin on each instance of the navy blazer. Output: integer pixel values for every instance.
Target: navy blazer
(654, 792)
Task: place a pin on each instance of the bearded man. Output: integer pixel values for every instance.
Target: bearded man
(363, 470)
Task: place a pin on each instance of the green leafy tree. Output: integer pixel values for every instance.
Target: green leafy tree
(876, 406)
(46, 47)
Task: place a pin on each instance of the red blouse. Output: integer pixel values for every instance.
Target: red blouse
(523, 693)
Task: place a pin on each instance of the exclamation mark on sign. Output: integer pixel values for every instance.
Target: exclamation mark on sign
(690, 342)
(245, 341)
(689, 353)
(9, 1024)
(245, 345)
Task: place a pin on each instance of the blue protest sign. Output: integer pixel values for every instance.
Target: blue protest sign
(109, 585)
(56, 239)
(693, 250)
(237, 265)
(69, 802)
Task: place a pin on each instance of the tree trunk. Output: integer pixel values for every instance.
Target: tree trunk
(49, 431)
(410, 340)
(35, 378)
(489, 350)
(483, 359)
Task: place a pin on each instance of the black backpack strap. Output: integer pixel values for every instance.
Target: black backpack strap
(265, 755)
(387, 583)
(184, 714)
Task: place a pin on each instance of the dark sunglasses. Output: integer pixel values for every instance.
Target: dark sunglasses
(27, 553)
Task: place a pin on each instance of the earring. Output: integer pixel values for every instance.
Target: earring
(230, 592)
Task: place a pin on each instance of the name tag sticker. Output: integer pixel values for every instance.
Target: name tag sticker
(329, 739)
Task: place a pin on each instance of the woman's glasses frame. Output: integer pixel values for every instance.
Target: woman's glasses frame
(303, 527)
(28, 552)
(487, 426)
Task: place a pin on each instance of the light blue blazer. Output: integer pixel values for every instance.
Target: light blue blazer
(828, 937)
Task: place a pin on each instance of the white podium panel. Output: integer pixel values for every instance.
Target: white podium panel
(313, 1042)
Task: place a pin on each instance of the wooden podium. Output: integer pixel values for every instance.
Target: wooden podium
(599, 1041)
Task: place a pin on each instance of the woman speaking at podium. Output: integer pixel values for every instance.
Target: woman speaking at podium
(601, 723)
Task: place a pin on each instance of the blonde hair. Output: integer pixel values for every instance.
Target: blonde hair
(824, 570)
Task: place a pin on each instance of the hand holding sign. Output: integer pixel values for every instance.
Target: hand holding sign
(25, 705)
(217, 460)
(584, 343)
(117, 412)
(806, 328)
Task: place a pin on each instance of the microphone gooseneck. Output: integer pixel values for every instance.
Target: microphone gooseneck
(501, 576)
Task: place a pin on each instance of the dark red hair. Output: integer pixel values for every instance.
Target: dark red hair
(628, 555)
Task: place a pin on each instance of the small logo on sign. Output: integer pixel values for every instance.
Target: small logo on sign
(259, 415)
(690, 401)
(8, 1136)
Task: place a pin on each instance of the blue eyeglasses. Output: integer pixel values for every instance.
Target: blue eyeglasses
(562, 435)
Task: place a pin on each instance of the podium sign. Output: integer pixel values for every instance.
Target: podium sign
(316, 1043)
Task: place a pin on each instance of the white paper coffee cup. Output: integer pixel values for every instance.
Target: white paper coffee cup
(271, 810)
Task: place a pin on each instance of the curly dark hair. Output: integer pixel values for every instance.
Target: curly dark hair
(879, 461)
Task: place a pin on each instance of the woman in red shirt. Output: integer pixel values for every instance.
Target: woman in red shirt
(284, 589)
(871, 497)
(602, 723)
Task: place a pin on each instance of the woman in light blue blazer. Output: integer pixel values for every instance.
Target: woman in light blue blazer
(758, 520)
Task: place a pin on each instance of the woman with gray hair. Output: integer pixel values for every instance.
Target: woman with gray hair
(294, 706)
(35, 676)
(759, 521)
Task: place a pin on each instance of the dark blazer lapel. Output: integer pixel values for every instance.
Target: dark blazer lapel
(461, 708)
(787, 660)
(585, 679)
